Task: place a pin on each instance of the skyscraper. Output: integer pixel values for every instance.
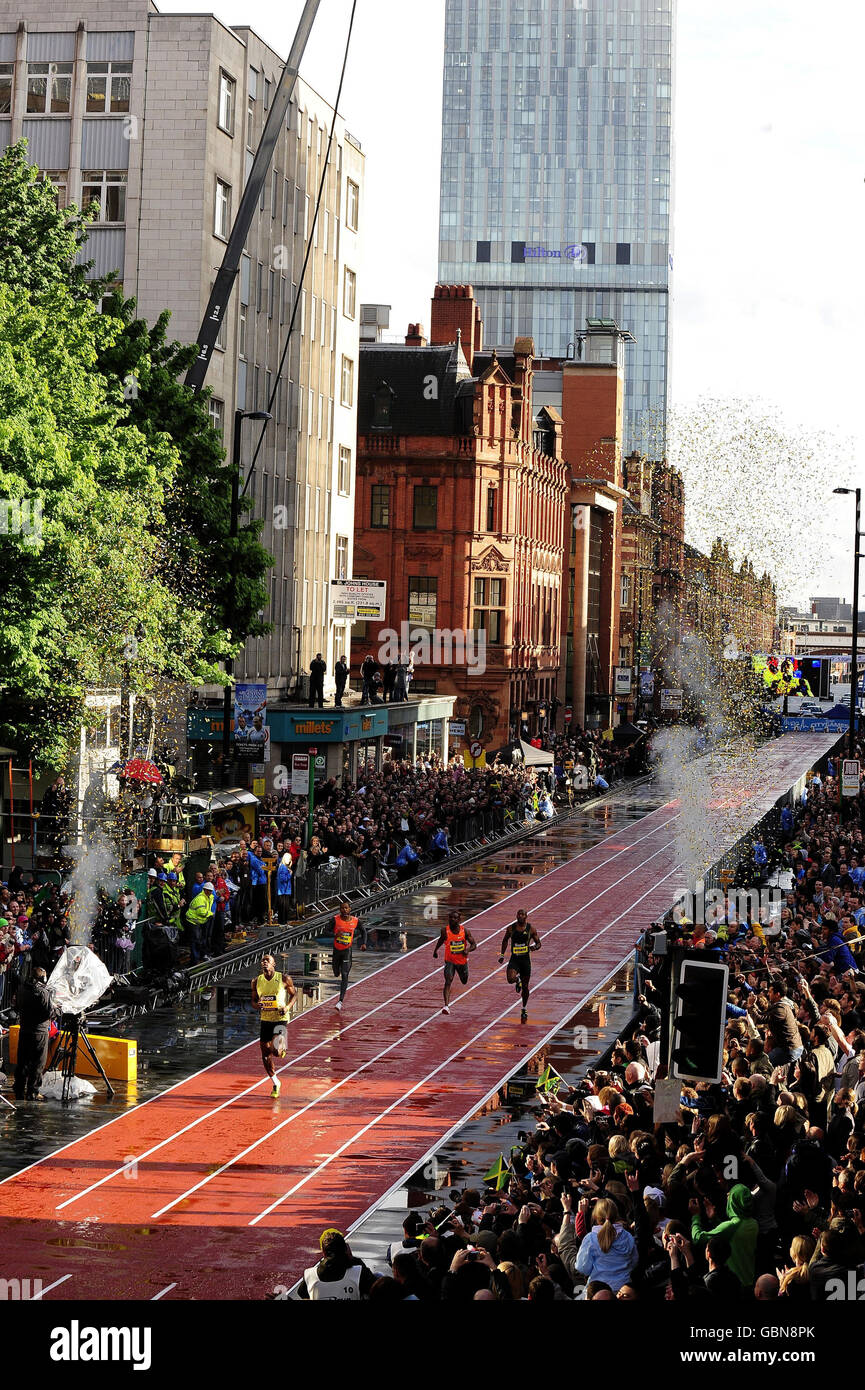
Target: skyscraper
(557, 178)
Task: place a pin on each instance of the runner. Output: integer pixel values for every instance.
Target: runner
(458, 943)
(524, 939)
(344, 928)
(274, 995)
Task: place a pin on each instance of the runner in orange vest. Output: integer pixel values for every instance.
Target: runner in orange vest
(458, 943)
(344, 928)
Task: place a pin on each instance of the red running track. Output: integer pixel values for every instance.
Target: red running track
(213, 1190)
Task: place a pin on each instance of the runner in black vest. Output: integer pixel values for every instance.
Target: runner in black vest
(523, 940)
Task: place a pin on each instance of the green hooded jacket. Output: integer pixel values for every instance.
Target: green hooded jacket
(739, 1230)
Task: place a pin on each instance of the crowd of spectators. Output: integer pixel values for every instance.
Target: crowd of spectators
(754, 1191)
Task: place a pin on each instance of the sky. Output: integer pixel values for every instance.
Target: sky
(769, 214)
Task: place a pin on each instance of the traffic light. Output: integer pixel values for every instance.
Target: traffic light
(699, 1019)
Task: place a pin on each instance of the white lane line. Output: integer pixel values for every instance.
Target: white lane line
(424, 1023)
(167, 1289)
(326, 1042)
(42, 1292)
(448, 1060)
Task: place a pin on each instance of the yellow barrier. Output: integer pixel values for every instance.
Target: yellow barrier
(119, 1056)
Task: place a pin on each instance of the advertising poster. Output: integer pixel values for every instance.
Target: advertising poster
(251, 734)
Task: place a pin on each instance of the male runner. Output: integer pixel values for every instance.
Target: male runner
(344, 928)
(458, 943)
(273, 995)
(524, 939)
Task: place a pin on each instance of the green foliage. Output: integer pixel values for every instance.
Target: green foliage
(96, 429)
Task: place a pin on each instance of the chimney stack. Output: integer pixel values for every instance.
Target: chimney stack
(415, 337)
(455, 307)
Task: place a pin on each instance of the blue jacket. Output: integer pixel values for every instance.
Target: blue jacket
(406, 855)
(839, 952)
(283, 880)
(613, 1267)
(257, 874)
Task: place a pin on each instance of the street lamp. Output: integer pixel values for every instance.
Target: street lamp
(854, 664)
(239, 417)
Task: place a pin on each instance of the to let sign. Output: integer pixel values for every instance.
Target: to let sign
(850, 777)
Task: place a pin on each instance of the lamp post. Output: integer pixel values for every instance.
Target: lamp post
(239, 417)
(854, 655)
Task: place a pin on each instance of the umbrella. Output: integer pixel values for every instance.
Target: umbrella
(139, 770)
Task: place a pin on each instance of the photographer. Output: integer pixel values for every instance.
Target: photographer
(33, 1002)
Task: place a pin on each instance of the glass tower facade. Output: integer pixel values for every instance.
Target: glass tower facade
(556, 182)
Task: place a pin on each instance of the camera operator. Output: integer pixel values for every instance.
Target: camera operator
(33, 1002)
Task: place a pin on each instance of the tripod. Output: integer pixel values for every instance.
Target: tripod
(73, 1031)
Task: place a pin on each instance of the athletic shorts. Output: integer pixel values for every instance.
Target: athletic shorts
(522, 965)
(452, 969)
(266, 1030)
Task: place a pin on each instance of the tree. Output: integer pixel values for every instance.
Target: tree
(226, 578)
(128, 470)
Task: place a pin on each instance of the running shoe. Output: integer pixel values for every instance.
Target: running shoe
(445, 1010)
(277, 1086)
(339, 1006)
(524, 1018)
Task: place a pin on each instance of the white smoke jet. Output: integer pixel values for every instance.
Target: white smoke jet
(96, 866)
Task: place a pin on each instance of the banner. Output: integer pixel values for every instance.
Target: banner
(849, 777)
(358, 600)
(623, 680)
(647, 685)
(251, 734)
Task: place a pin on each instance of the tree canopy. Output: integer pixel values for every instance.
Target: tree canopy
(117, 496)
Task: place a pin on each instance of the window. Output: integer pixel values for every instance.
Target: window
(491, 509)
(222, 210)
(274, 192)
(250, 123)
(349, 293)
(108, 87)
(242, 339)
(57, 179)
(5, 88)
(626, 591)
(380, 509)
(271, 292)
(347, 395)
(107, 187)
(344, 482)
(482, 252)
(225, 113)
(588, 257)
(352, 204)
(49, 88)
(489, 604)
(216, 411)
(341, 557)
(518, 252)
(220, 332)
(259, 287)
(624, 656)
(425, 508)
(423, 600)
(266, 92)
(623, 253)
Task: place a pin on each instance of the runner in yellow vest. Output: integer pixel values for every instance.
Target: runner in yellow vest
(273, 994)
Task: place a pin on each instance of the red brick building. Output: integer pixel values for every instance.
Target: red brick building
(460, 506)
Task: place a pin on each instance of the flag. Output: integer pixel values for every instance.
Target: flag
(43, 893)
(499, 1173)
(549, 1081)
